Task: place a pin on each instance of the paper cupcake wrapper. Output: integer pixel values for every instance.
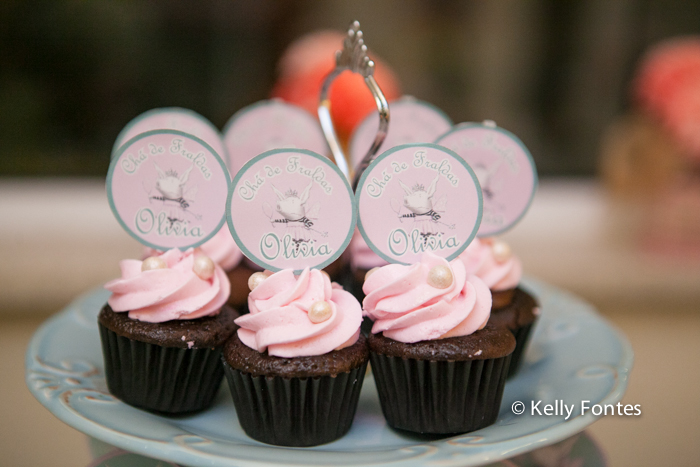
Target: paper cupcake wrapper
(167, 380)
(522, 336)
(295, 411)
(439, 397)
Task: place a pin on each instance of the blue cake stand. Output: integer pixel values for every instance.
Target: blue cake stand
(575, 355)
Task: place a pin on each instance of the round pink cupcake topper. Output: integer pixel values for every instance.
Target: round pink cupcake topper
(168, 189)
(505, 170)
(291, 209)
(267, 125)
(172, 118)
(412, 121)
(418, 198)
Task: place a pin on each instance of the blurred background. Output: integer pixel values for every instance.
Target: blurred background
(555, 73)
(611, 119)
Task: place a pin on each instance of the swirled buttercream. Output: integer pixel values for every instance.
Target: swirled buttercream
(221, 248)
(406, 308)
(175, 292)
(479, 259)
(279, 316)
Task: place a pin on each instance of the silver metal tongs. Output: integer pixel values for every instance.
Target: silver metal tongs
(353, 57)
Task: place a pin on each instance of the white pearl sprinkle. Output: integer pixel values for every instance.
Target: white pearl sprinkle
(203, 267)
(256, 279)
(153, 262)
(320, 311)
(501, 251)
(440, 277)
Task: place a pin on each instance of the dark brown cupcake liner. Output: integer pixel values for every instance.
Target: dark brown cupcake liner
(166, 380)
(439, 397)
(295, 411)
(522, 337)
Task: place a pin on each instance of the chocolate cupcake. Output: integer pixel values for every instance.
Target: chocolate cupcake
(513, 308)
(438, 368)
(163, 329)
(519, 316)
(296, 365)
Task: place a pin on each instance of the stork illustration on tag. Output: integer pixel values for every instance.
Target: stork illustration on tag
(425, 208)
(295, 214)
(173, 189)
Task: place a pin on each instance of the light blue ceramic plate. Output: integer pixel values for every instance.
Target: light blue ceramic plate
(575, 355)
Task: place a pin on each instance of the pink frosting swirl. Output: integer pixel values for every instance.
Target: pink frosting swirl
(221, 248)
(279, 322)
(176, 292)
(478, 259)
(406, 308)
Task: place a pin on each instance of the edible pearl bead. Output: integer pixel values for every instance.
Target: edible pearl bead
(203, 267)
(370, 272)
(153, 262)
(440, 277)
(320, 311)
(501, 251)
(256, 279)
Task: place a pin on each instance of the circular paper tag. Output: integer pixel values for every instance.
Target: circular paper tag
(418, 198)
(172, 118)
(411, 121)
(291, 209)
(505, 170)
(268, 125)
(168, 189)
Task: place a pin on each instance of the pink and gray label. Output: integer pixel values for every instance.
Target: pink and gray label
(172, 118)
(269, 125)
(418, 198)
(291, 209)
(168, 189)
(411, 121)
(505, 170)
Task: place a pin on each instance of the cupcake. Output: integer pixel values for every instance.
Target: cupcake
(438, 366)
(296, 365)
(513, 308)
(163, 329)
